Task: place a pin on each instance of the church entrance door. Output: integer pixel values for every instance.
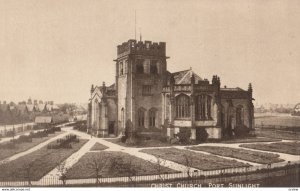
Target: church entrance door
(111, 127)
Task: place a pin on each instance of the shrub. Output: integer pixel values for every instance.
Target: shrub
(10, 133)
(201, 135)
(184, 135)
(241, 131)
(64, 143)
(123, 139)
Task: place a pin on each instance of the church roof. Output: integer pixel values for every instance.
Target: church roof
(237, 93)
(184, 77)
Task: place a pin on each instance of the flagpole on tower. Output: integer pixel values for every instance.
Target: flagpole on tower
(135, 24)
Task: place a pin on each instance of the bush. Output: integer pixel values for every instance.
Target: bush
(123, 139)
(64, 143)
(184, 135)
(241, 131)
(10, 133)
(201, 135)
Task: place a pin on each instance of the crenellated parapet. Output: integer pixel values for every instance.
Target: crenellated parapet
(143, 48)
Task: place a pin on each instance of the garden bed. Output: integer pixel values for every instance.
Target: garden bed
(197, 160)
(85, 167)
(98, 147)
(252, 156)
(281, 147)
(6, 152)
(39, 162)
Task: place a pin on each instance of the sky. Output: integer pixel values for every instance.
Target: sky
(54, 50)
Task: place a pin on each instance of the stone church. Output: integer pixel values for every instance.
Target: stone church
(152, 98)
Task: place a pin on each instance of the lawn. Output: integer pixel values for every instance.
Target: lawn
(252, 156)
(281, 147)
(85, 167)
(41, 161)
(278, 134)
(142, 143)
(288, 121)
(250, 140)
(5, 153)
(197, 160)
(98, 147)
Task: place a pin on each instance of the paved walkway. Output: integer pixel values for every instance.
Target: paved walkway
(131, 151)
(136, 152)
(39, 146)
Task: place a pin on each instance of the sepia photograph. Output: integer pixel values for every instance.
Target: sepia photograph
(155, 94)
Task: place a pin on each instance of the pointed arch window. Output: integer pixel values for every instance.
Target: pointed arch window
(152, 117)
(203, 107)
(141, 117)
(239, 115)
(182, 106)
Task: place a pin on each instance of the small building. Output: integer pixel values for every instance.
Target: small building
(43, 121)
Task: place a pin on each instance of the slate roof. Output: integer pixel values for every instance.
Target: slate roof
(236, 93)
(184, 77)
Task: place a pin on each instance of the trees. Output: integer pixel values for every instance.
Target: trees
(159, 165)
(98, 164)
(188, 162)
(63, 170)
(119, 165)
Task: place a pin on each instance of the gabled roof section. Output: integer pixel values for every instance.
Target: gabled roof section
(184, 77)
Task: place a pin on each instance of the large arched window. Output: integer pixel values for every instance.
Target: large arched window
(182, 105)
(239, 115)
(96, 113)
(152, 117)
(203, 107)
(141, 117)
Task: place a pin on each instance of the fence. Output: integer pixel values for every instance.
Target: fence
(17, 127)
(196, 177)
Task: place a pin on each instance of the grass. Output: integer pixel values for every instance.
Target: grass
(278, 134)
(198, 160)
(281, 147)
(98, 147)
(288, 121)
(252, 156)
(42, 161)
(250, 140)
(5, 153)
(84, 169)
(142, 143)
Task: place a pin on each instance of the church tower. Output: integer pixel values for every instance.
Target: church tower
(140, 77)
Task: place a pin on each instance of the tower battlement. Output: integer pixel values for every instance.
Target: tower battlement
(140, 47)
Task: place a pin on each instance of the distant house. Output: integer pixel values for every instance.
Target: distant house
(43, 121)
